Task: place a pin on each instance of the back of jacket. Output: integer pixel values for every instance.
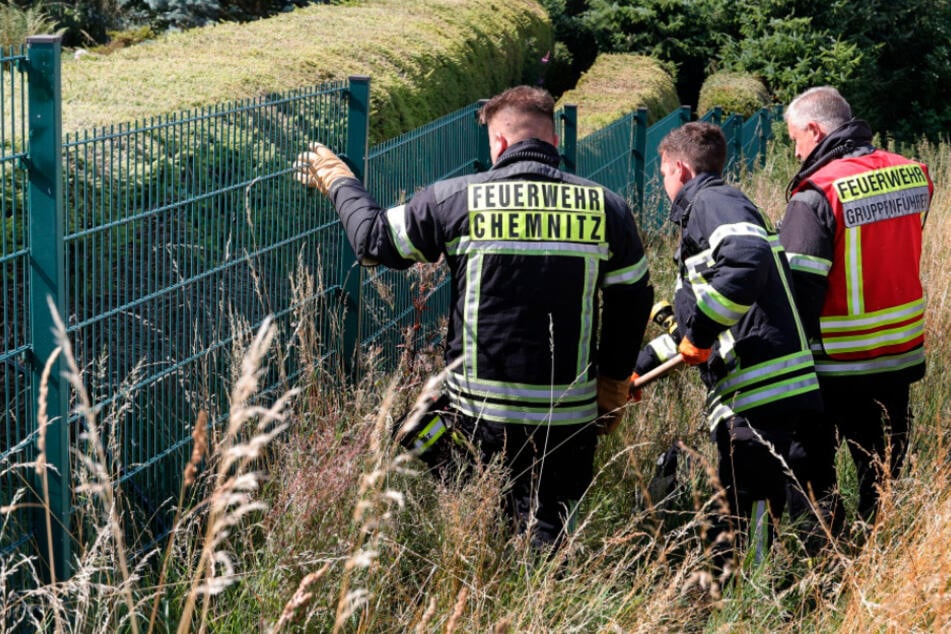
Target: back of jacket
(531, 250)
(734, 296)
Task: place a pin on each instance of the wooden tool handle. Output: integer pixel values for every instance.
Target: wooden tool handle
(659, 371)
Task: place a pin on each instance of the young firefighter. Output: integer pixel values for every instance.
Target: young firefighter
(531, 250)
(734, 309)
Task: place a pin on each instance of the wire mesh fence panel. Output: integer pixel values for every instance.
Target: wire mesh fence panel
(402, 311)
(184, 233)
(17, 422)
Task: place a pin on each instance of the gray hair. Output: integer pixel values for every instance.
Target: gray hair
(822, 105)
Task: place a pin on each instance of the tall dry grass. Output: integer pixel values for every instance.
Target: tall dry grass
(312, 520)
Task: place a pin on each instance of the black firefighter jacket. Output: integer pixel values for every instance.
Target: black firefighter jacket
(530, 249)
(734, 295)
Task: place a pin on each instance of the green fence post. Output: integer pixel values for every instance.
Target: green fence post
(639, 152)
(569, 115)
(765, 134)
(685, 114)
(483, 152)
(47, 280)
(358, 126)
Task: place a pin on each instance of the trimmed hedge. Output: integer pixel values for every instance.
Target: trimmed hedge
(617, 84)
(735, 93)
(425, 58)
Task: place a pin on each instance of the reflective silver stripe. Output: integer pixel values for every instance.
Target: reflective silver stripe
(628, 275)
(737, 229)
(470, 317)
(774, 392)
(513, 413)
(890, 363)
(579, 390)
(809, 263)
(428, 436)
(396, 219)
(855, 294)
(711, 301)
(720, 412)
(664, 347)
(876, 318)
(773, 367)
(726, 348)
(871, 341)
(465, 246)
(588, 307)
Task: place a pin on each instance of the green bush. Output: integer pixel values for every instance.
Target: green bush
(735, 93)
(617, 84)
(425, 59)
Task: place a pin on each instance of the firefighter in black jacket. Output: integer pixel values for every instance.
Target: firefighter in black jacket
(530, 249)
(738, 324)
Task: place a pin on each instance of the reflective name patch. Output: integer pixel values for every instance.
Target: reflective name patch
(519, 210)
(890, 192)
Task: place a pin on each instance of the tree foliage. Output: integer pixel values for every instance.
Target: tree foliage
(891, 60)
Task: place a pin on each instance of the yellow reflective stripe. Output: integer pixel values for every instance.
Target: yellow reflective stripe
(430, 434)
(521, 414)
(627, 275)
(718, 306)
(809, 263)
(465, 246)
(710, 301)
(877, 339)
(396, 220)
(664, 347)
(772, 368)
(720, 412)
(883, 317)
(736, 229)
(889, 363)
(855, 296)
(522, 391)
(470, 313)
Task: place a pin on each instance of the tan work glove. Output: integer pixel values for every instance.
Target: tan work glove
(320, 167)
(612, 396)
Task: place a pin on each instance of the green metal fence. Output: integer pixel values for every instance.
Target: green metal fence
(165, 243)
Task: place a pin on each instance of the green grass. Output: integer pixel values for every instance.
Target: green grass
(328, 527)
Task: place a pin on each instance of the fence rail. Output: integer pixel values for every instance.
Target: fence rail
(165, 243)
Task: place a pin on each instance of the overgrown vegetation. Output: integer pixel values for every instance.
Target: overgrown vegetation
(863, 49)
(425, 60)
(618, 84)
(734, 92)
(328, 527)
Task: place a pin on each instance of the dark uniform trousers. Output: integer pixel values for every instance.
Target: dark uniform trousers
(752, 467)
(549, 468)
(873, 419)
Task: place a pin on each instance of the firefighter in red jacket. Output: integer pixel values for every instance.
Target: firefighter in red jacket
(852, 233)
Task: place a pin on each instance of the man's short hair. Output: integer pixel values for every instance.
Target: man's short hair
(528, 100)
(822, 105)
(700, 145)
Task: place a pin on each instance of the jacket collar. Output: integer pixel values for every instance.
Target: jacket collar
(846, 139)
(682, 204)
(529, 150)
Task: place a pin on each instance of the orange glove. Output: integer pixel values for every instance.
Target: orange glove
(633, 393)
(691, 353)
(612, 396)
(320, 167)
